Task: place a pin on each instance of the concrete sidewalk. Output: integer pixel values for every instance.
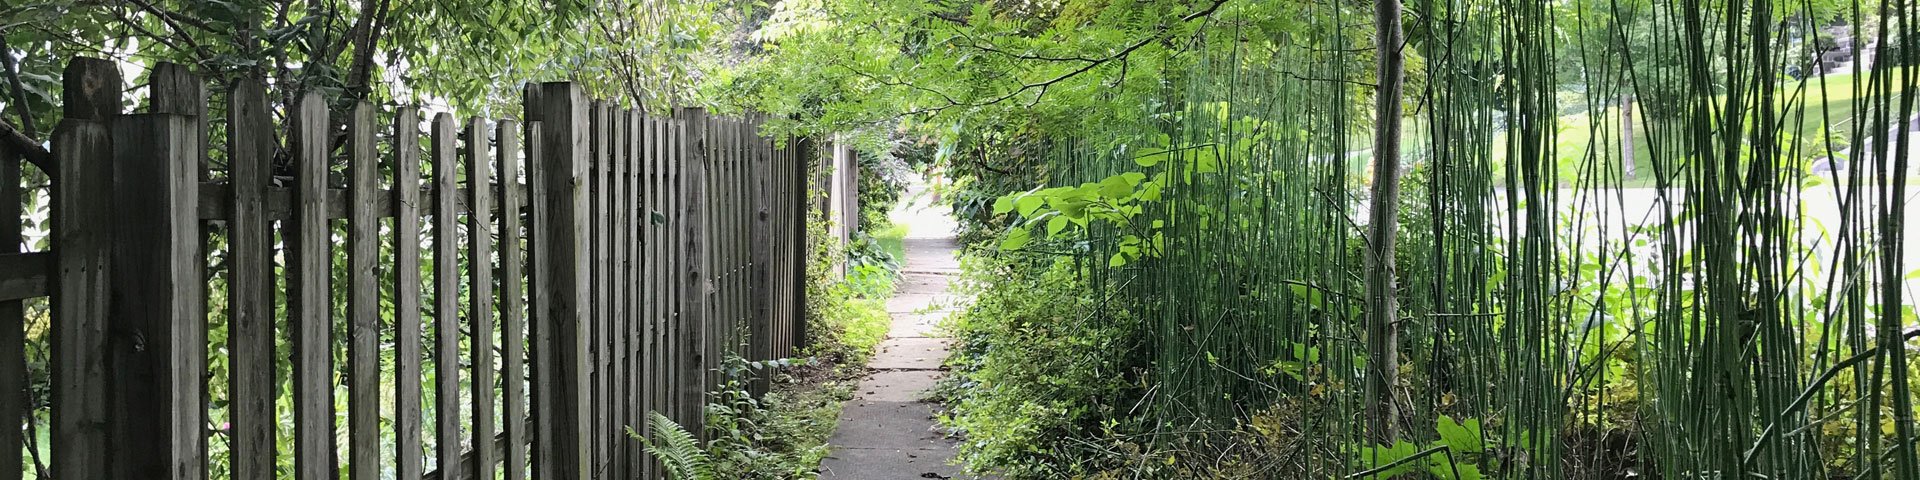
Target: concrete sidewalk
(887, 431)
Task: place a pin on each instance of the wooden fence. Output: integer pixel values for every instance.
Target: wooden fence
(587, 265)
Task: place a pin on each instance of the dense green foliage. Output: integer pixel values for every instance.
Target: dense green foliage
(1733, 308)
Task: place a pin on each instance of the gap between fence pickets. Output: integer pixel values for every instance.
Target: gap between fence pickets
(216, 201)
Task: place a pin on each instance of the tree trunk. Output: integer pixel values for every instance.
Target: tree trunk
(1383, 336)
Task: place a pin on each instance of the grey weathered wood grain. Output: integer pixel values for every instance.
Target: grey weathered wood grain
(363, 297)
(409, 452)
(83, 151)
(561, 328)
(540, 331)
(446, 298)
(653, 372)
(251, 146)
(156, 357)
(616, 238)
(601, 288)
(635, 299)
(480, 299)
(696, 287)
(309, 296)
(513, 326)
(760, 229)
(602, 264)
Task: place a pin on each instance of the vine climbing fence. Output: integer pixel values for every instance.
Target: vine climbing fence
(479, 298)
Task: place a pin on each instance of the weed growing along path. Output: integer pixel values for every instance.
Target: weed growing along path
(887, 430)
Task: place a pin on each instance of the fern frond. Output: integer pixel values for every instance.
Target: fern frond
(678, 450)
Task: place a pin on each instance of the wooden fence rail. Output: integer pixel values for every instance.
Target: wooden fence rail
(489, 297)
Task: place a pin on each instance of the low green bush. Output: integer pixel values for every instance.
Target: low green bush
(1045, 376)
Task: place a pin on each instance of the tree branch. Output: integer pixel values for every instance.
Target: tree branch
(12, 139)
(1090, 65)
(19, 89)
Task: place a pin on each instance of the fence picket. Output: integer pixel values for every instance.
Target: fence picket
(621, 388)
(480, 294)
(363, 298)
(309, 296)
(408, 449)
(695, 287)
(250, 344)
(446, 298)
(760, 335)
(513, 317)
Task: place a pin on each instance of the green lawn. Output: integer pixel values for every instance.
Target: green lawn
(893, 240)
(1821, 100)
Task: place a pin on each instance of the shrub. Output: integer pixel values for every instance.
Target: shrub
(1045, 375)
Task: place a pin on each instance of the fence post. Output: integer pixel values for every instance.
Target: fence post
(158, 331)
(560, 337)
(696, 287)
(90, 97)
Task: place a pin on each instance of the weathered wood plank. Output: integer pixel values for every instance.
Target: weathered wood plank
(446, 298)
(175, 89)
(83, 151)
(602, 263)
(696, 287)
(480, 299)
(363, 298)
(761, 248)
(309, 296)
(635, 299)
(251, 145)
(513, 334)
(409, 453)
(654, 378)
(617, 238)
(26, 275)
(160, 350)
(13, 338)
(561, 335)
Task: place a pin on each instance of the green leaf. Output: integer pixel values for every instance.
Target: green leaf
(1003, 204)
(1115, 186)
(1027, 204)
(1055, 224)
(1117, 260)
(1461, 438)
(1016, 238)
(1150, 157)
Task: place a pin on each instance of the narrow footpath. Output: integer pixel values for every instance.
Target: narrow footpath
(887, 431)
